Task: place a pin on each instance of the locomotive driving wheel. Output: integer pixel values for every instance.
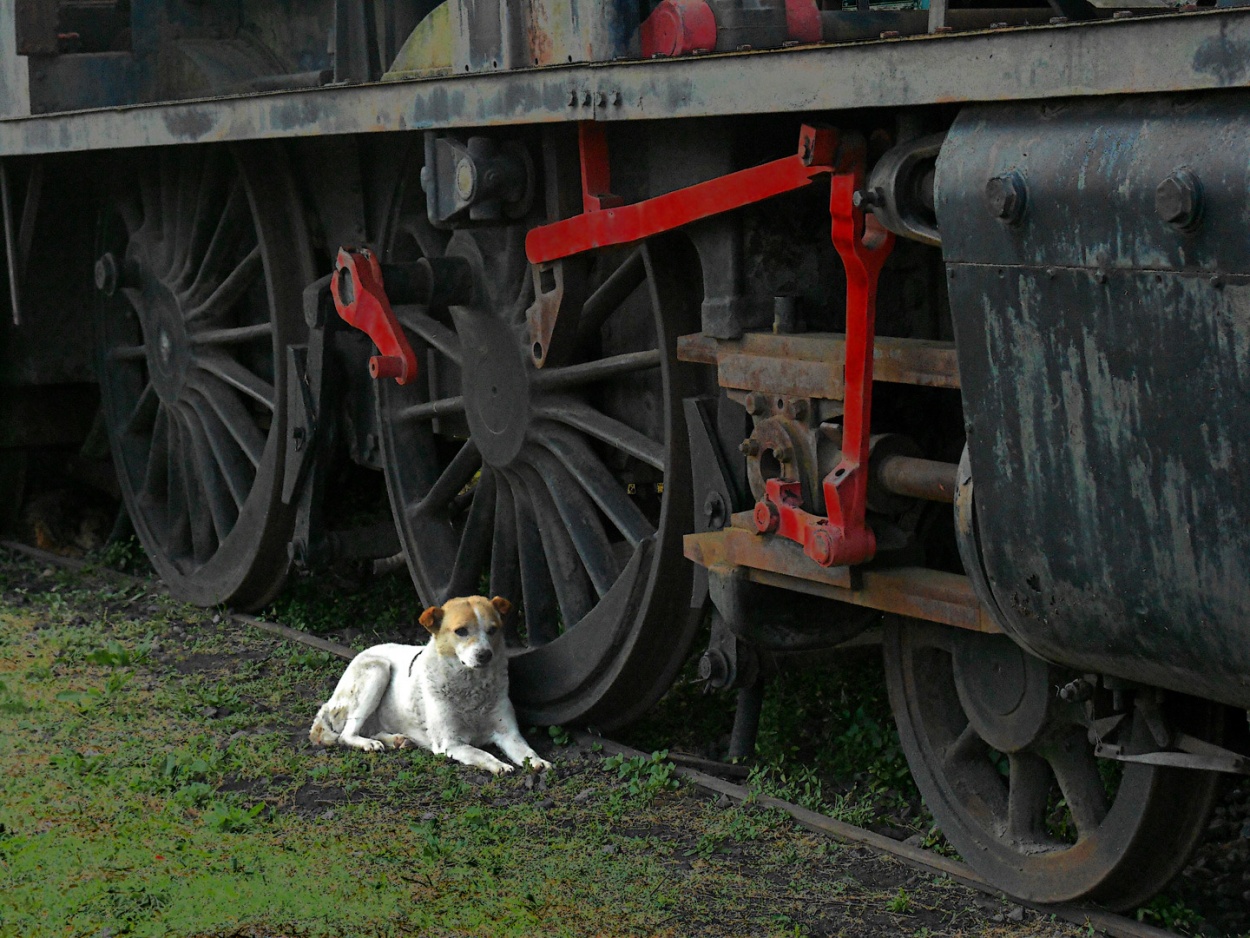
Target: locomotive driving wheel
(204, 260)
(565, 489)
(1012, 780)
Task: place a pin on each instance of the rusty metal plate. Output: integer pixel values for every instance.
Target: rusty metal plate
(916, 592)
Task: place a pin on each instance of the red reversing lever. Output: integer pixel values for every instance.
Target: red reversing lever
(361, 301)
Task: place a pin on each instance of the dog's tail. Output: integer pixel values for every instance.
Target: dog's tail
(323, 732)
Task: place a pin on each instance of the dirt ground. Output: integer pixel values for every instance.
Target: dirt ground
(156, 779)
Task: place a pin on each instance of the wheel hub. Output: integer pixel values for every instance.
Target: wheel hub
(1005, 692)
(496, 386)
(166, 340)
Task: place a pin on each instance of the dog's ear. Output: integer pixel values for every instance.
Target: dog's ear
(431, 619)
(502, 606)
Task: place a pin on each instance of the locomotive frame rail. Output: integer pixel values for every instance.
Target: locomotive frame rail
(1163, 53)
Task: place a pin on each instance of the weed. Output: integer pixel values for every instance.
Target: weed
(644, 776)
(559, 735)
(227, 818)
(125, 555)
(310, 660)
(1170, 913)
(797, 783)
(900, 904)
(195, 795)
(93, 766)
(116, 655)
(128, 904)
(38, 672)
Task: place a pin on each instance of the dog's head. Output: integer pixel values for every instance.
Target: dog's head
(471, 628)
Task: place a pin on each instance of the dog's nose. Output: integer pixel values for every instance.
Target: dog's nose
(484, 656)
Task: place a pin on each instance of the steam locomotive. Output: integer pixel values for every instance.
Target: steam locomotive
(654, 310)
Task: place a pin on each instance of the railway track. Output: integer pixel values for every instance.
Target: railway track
(700, 773)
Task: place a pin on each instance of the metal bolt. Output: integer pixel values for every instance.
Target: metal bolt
(1217, 281)
(1122, 14)
(713, 668)
(784, 452)
(106, 274)
(1058, 20)
(820, 547)
(1006, 197)
(796, 410)
(767, 517)
(756, 403)
(749, 447)
(1101, 276)
(1076, 691)
(868, 198)
(714, 512)
(1178, 200)
(890, 34)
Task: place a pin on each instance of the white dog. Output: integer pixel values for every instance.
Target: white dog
(449, 696)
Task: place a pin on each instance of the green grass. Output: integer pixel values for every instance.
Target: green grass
(155, 780)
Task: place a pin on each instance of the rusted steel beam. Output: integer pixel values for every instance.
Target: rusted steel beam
(810, 364)
(916, 592)
(1185, 52)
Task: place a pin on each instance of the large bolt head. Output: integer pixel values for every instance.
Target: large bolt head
(1006, 196)
(107, 274)
(466, 179)
(1178, 200)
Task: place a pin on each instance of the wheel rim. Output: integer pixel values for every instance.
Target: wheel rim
(567, 488)
(205, 258)
(969, 706)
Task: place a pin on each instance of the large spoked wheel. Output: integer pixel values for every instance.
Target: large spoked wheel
(204, 260)
(566, 488)
(1012, 780)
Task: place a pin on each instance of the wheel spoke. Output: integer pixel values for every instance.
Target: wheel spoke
(621, 436)
(189, 189)
(431, 410)
(456, 476)
(233, 415)
(238, 377)
(204, 221)
(574, 593)
(415, 319)
(231, 289)
(169, 209)
(505, 574)
(610, 296)
(603, 488)
(155, 474)
(588, 372)
(225, 239)
(581, 520)
(1028, 791)
(178, 526)
(538, 592)
(233, 336)
(143, 417)
(1076, 770)
(475, 540)
(195, 469)
(231, 464)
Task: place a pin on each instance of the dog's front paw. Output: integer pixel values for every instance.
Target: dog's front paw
(370, 745)
(536, 764)
(498, 767)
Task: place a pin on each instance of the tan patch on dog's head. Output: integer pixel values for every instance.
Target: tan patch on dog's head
(468, 627)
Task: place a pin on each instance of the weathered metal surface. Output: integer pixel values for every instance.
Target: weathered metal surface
(810, 364)
(1105, 357)
(1193, 51)
(915, 592)
(917, 478)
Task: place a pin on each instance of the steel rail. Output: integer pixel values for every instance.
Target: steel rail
(1197, 51)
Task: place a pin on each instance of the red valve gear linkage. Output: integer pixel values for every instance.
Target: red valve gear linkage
(842, 535)
(361, 301)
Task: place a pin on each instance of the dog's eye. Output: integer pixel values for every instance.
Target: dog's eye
(492, 630)
(463, 633)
